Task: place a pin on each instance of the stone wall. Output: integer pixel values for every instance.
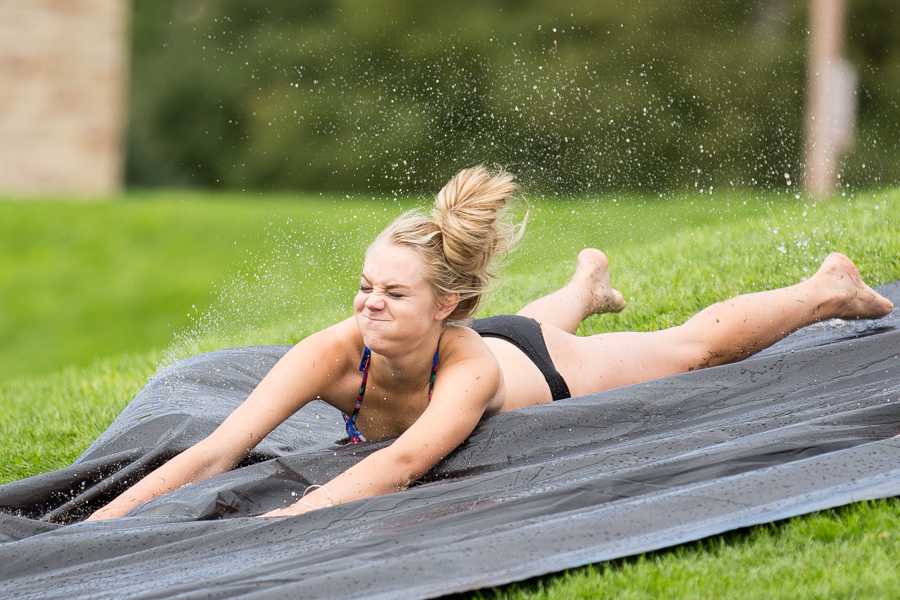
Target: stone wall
(63, 92)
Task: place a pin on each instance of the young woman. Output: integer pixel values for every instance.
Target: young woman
(410, 362)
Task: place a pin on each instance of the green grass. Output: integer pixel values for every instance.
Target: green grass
(95, 296)
(849, 552)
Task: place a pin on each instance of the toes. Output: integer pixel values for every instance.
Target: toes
(617, 302)
(871, 305)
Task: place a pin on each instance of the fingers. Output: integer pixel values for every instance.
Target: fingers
(103, 514)
(98, 517)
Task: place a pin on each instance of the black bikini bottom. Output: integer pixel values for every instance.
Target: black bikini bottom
(525, 334)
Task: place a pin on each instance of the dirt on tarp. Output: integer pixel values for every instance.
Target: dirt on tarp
(807, 424)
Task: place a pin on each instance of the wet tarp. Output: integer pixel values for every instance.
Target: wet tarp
(807, 424)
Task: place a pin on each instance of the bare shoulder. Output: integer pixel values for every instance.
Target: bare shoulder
(343, 336)
(334, 348)
(468, 361)
(461, 343)
(469, 358)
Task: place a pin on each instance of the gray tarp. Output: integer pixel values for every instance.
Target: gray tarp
(805, 425)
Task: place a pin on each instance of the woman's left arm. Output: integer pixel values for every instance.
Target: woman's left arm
(461, 394)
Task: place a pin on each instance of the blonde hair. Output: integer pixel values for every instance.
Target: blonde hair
(467, 231)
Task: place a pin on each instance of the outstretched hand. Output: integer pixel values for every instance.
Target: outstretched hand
(290, 511)
(103, 514)
(287, 511)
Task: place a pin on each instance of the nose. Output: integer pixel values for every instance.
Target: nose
(374, 301)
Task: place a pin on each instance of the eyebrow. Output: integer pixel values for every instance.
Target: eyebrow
(390, 285)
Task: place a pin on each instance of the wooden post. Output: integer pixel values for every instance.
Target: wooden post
(63, 93)
(831, 104)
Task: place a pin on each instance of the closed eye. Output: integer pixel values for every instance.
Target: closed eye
(367, 289)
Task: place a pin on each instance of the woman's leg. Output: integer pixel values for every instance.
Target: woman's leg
(588, 292)
(724, 332)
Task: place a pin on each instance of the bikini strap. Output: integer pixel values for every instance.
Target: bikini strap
(433, 376)
(364, 363)
(353, 434)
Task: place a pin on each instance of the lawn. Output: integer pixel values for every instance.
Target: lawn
(95, 296)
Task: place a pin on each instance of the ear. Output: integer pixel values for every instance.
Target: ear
(446, 305)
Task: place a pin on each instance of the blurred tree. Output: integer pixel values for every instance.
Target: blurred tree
(393, 96)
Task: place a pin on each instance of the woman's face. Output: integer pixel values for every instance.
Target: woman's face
(394, 304)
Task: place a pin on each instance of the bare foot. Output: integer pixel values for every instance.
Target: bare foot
(592, 276)
(856, 300)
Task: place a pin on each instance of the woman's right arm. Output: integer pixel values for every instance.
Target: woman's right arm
(301, 375)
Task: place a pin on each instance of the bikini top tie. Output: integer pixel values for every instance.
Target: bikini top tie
(353, 434)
